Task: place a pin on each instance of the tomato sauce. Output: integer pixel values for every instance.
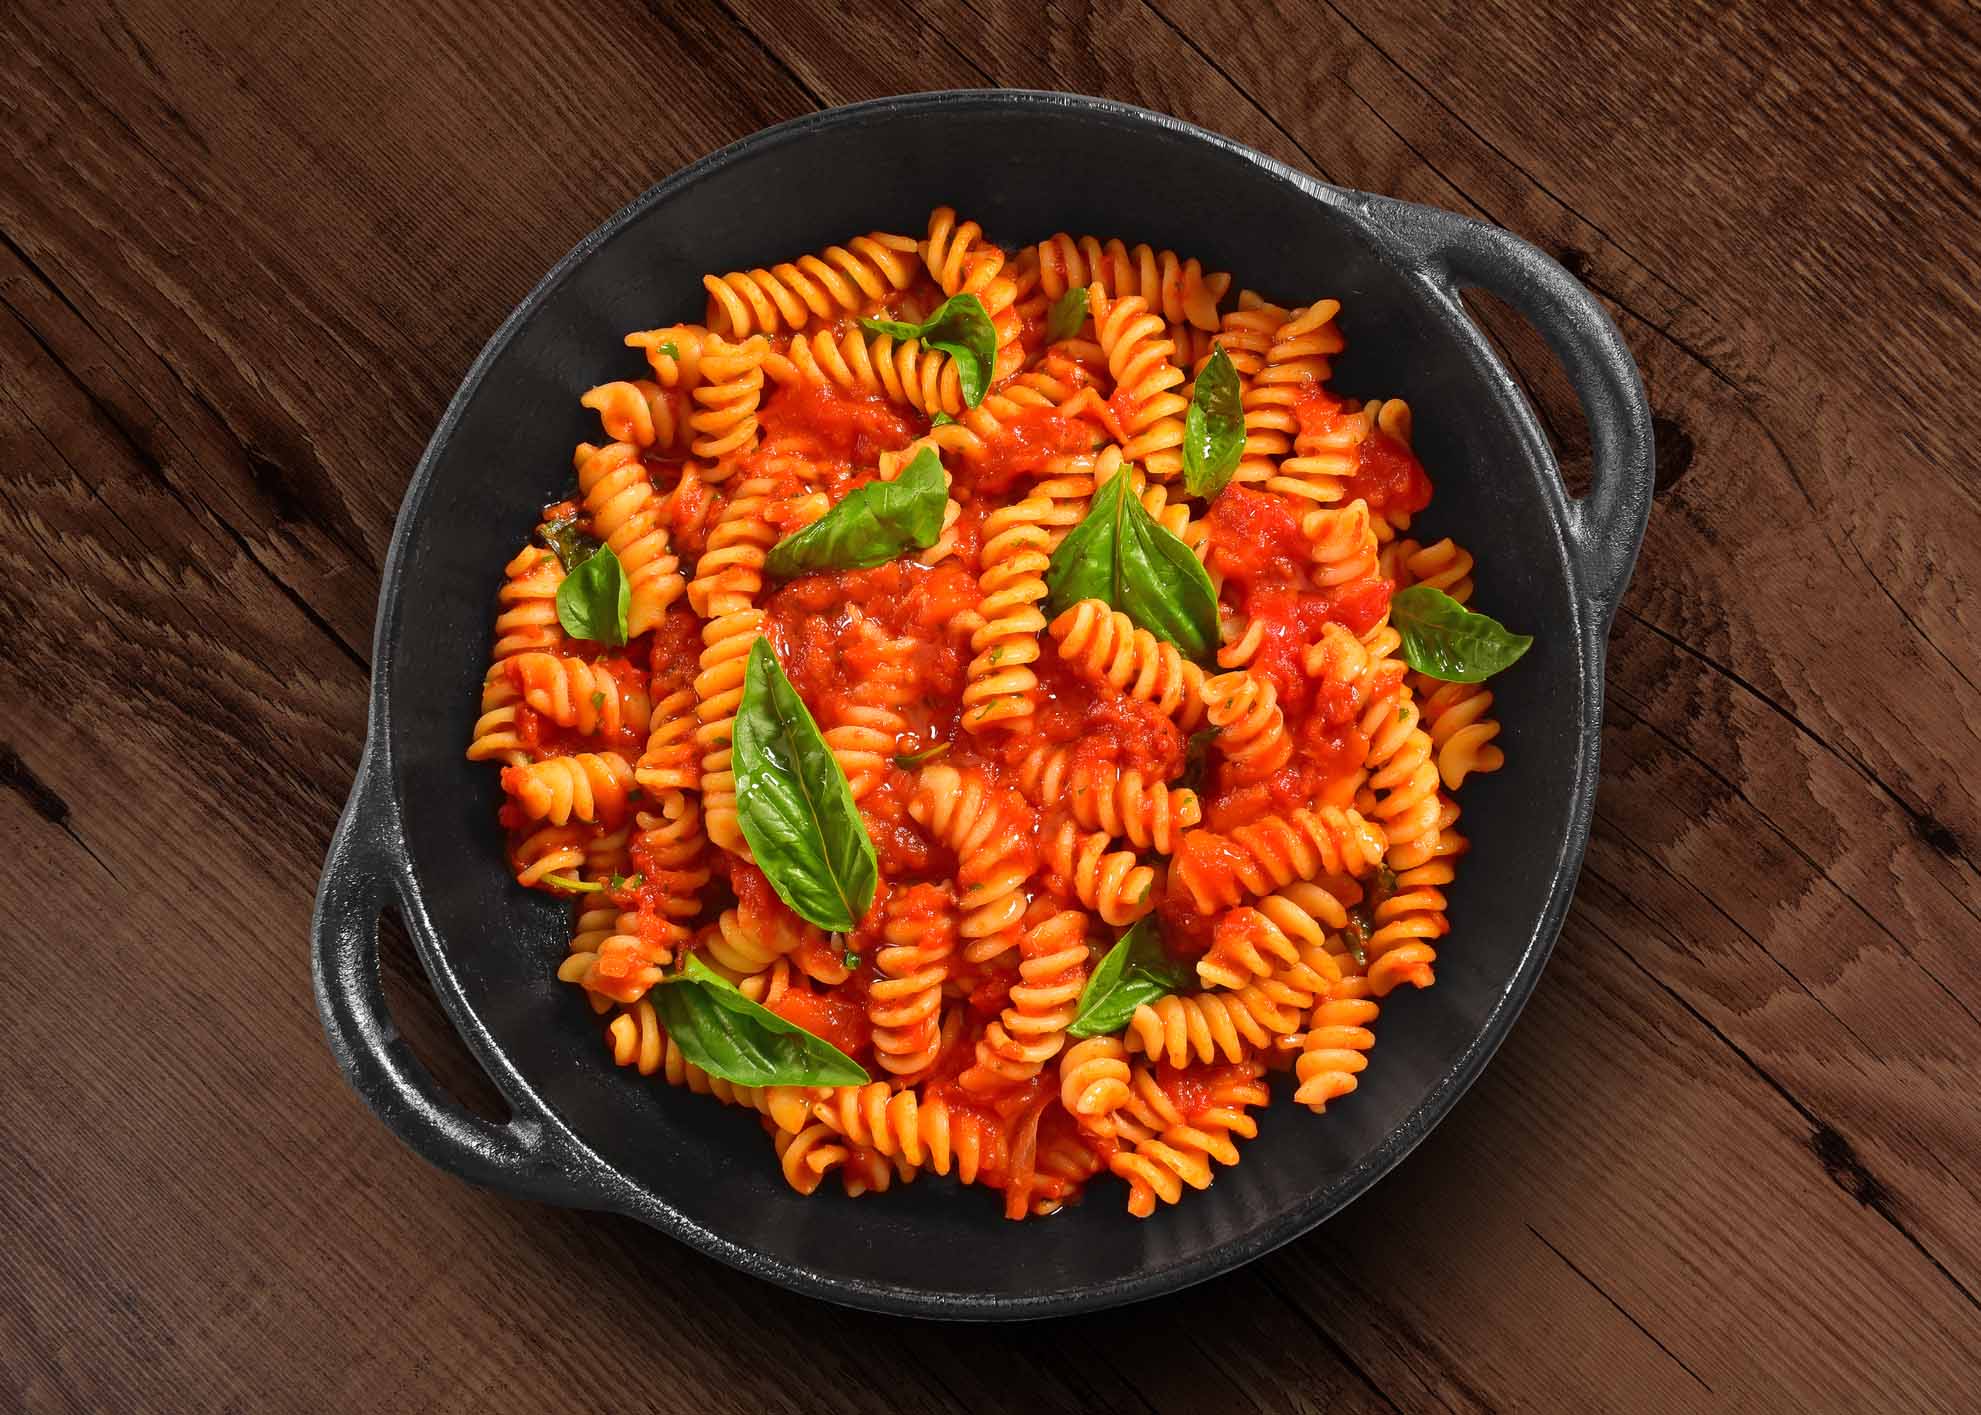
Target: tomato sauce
(830, 423)
(1388, 476)
(1025, 442)
(836, 1016)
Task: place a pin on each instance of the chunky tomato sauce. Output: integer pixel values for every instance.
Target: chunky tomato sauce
(1024, 444)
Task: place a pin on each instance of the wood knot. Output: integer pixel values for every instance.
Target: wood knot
(1839, 1160)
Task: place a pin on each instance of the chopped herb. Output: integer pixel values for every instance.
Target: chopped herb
(576, 886)
(997, 654)
(670, 348)
(849, 959)
(598, 701)
(910, 760)
(1402, 712)
(940, 419)
(620, 881)
(1147, 890)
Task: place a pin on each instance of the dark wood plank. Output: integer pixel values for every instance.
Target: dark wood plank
(1729, 1160)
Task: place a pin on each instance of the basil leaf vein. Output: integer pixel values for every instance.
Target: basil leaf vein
(1135, 971)
(1213, 428)
(593, 600)
(1443, 639)
(871, 524)
(1068, 313)
(960, 327)
(727, 1035)
(794, 805)
(1119, 554)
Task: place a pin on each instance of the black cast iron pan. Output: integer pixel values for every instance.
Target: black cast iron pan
(419, 832)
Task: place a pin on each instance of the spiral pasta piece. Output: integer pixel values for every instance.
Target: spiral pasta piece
(1252, 734)
(848, 279)
(496, 736)
(1123, 803)
(1159, 1167)
(925, 1133)
(1180, 290)
(1141, 358)
(725, 425)
(1344, 544)
(1114, 884)
(626, 514)
(1462, 730)
(674, 354)
(575, 694)
(1402, 775)
(590, 786)
(1186, 1029)
(1220, 870)
(1001, 684)
(877, 365)
(528, 621)
(640, 412)
(553, 850)
(1103, 644)
(670, 761)
(1443, 565)
(1323, 460)
(1334, 1052)
(904, 1001)
(1246, 945)
(1052, 969)
(990, 833)
(1093, 1082)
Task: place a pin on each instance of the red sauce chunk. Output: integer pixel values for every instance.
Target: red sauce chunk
(829, 422)
(1389, 477)
(837, 1016)
(1024, 444)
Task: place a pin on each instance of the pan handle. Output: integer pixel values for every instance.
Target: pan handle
(1605, 527)
(529, 1156)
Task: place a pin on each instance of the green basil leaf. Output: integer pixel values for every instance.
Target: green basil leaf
(568, 541)
(1068, 313)
(871, 524)
(593, 599)
(727, 1035)
(1213, 428)
(1119, 554)
(1443, 639)
(793, 803)
(910, 760)
(961, 328)
(1136, 970)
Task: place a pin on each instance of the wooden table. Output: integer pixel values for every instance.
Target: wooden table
(1730, 1158)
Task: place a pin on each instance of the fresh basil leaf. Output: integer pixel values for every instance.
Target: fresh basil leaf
(1119, 554)
(745, 1043)
(871, 524)
(909, 761)
(940, 419)
(1213, 428)
(593, 599)
(793, 803)
(1068, 313)
(1197, 759)
(1136, 970)
(1443, 639)
(568, 540)
(961, 328)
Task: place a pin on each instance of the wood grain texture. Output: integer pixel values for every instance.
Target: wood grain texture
(1729, 1160)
